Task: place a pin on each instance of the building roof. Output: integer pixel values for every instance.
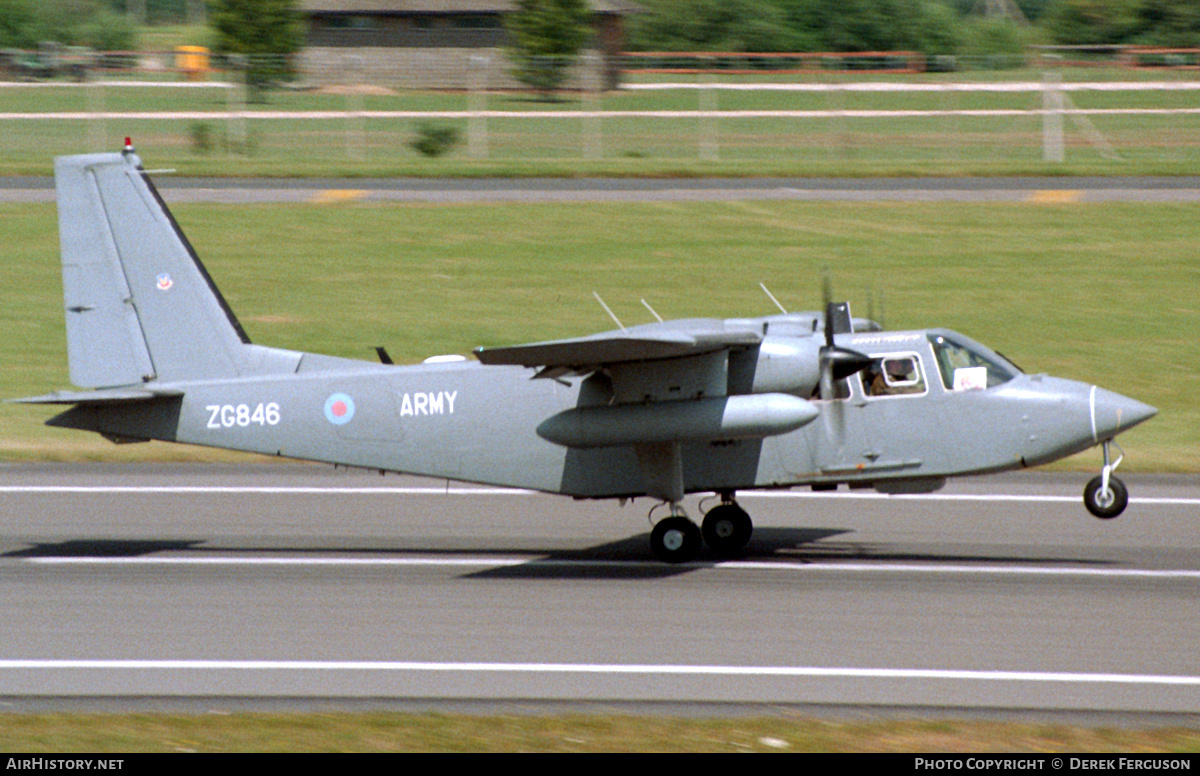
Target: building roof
(444, 6)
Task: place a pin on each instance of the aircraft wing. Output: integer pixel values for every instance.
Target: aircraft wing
(674, 339)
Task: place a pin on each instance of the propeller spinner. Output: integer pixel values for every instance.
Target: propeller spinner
(838, 363)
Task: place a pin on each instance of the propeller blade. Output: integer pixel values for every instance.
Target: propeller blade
(843, 362)
(826, 304)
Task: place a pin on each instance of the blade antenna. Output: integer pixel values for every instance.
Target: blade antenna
(609, 311)
(771, 296)
(651, 309)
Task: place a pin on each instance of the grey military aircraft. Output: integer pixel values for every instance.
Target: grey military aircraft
(660, 410)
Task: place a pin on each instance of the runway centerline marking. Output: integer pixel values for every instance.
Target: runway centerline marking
(487, 491)
(485, 563)
(603, 668)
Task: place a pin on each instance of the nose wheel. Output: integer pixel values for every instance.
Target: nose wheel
(1105, 496)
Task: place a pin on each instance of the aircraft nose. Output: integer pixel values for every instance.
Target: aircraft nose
(1111, 413)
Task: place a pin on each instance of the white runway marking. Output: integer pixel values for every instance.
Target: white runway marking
(602, 668)
(899, 86)
(340, 115)
(798, 566)
(863, 86)
(484, 491)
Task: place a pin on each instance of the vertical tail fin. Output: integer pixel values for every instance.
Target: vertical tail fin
(139, 304)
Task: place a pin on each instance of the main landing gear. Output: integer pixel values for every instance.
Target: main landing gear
(726, 529)
(1105, 496)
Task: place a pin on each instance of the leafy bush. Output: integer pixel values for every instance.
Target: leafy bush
(433, 140)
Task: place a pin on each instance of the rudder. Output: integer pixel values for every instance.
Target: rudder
(139, 304)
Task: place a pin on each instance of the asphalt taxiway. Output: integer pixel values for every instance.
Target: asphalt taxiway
(482, 190)
(270, 582)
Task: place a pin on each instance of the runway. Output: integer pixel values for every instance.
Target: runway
(266, 582)
(485, 190)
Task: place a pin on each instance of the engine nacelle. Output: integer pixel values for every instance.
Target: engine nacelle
(778, 365)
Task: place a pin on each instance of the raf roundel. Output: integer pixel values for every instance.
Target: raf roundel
(339, 409)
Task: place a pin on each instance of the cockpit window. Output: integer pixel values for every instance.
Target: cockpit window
(965, 369)
(897, 375)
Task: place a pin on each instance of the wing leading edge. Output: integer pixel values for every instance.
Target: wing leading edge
(651, 342)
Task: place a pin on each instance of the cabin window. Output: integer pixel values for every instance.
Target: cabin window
(898, 375)
(477, 21)
(351, 22)
(967, 369)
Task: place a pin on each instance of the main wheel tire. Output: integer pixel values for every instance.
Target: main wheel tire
(1105, 504)
(675, 540)
(726, 528)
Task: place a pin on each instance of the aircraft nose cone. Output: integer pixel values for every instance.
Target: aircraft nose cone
(1112, 413)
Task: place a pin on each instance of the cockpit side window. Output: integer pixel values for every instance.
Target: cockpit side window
(965, 369)
(895, 375)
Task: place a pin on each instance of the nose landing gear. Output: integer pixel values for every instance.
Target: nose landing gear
(1105, 496)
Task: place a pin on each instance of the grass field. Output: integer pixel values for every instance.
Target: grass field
(1099, 293)
(382, 732)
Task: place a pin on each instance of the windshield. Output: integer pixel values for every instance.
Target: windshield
(966, 368)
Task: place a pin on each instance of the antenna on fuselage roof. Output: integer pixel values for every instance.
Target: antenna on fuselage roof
(652, 312)
(609, 311)
(771, 296)
(875, 311)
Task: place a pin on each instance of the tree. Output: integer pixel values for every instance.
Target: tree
(26, 23)
(547, 36)
(1083, 22)
(266, 32)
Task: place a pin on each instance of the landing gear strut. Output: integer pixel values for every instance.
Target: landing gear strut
(1105, 496)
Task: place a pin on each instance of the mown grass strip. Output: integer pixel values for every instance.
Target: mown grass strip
(412, 732)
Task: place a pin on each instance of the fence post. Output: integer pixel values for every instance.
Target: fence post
(953, 148)
(354, 108)
(237, 67)
(97, 125)
(1052, 117)
(592, 84)
(708, 109)
(835, 103)
(477, 129)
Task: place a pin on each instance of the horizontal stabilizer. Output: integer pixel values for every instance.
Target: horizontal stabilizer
(108, 396)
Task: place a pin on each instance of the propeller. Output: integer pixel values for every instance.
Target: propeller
(837, 363)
